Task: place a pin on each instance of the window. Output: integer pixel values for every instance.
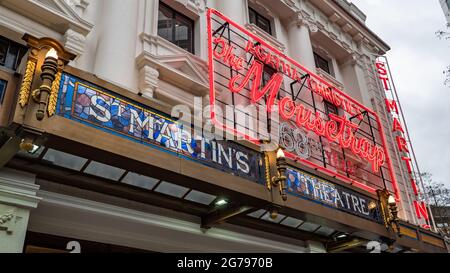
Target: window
(268, 72)
(259, 20)
(331, 108)
(2, 90)
(176, 28)
(10, 53)
(322, 63)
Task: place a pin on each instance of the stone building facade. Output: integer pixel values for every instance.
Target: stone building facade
(155, 53)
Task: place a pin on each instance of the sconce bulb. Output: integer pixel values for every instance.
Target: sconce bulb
(52, 53)
(372, 205)
(391, 200)
(280, 153)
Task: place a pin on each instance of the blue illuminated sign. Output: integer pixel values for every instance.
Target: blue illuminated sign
(94, 106)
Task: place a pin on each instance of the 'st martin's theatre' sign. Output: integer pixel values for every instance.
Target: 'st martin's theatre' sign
(307, 186)
(245, 71)
(92, 105)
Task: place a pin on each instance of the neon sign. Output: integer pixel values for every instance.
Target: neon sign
(239, 61)
(402, 144)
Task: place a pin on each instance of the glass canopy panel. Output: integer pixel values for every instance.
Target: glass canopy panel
(200, 197)
(103, 170)
(291, 222)
(325, 231)
(171, 189)
(257, 214)
(140, 181)
(307, 226)
(277, 219)
(65, 160)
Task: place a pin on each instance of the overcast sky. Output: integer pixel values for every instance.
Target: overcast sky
(417, 59)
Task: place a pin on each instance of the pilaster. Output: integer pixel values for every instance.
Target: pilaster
(116, 48)
(300, 47)
(17, 197)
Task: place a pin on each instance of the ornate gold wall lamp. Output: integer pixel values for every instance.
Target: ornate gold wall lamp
(46, 61)
(279, 180)
(389, 211)
(394, 220)
(48, 75)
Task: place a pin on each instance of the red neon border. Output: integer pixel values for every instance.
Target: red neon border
(256, 141)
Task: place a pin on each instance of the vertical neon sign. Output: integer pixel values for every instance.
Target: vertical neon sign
(402, 140)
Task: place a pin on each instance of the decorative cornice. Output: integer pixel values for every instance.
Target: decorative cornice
(59, 15)
(78, 5)
(334, 17)
(302, 18)
(347, 27)
(154, 42)
(195, 6)
(175, 66)
(18, 188)
(258, 4)
(312, 26)
(289, 3)
(74, 41)
(355, 58)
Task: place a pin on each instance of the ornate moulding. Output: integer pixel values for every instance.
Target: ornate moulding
(165, 61)
(58, 16)
(160, 60)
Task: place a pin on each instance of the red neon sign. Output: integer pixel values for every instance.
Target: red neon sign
(421, 210)
(402, 145)
(244, 56)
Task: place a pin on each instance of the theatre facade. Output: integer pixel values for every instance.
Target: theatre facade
(203, 126)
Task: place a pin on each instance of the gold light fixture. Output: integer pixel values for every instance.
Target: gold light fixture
(394, 214)
(27, 144)
(49, 69)
(45, 63)
(280, 179)
(389, 210)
